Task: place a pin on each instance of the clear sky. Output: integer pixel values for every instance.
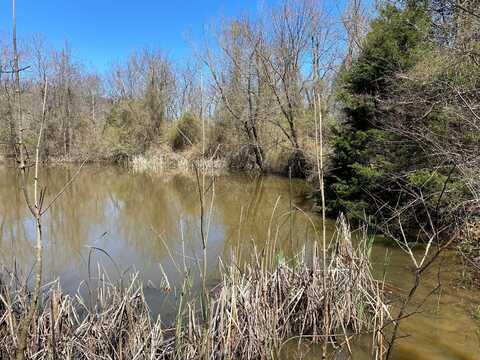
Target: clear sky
(103, 31)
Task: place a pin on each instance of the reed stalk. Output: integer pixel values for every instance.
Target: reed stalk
(252, 313)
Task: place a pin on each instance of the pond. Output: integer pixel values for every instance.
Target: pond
(111, 220)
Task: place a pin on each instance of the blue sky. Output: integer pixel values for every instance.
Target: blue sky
(103, 31)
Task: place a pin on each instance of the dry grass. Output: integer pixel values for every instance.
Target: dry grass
(254, 310)
(165, 160)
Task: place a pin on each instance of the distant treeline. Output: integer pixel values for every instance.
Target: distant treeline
(247, 91)
(397, 88)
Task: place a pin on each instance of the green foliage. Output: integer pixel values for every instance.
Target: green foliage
(476, 313)
(396, 36)
(425, 179)
(124, 133)
(185, 133)
(365, 154)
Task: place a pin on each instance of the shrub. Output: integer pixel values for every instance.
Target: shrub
(185, 133)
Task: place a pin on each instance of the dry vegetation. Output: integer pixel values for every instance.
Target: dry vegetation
(162, 161)
(260, 97)
(250, 82)
(251, 314)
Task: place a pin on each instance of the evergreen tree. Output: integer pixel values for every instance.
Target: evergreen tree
(364, 152)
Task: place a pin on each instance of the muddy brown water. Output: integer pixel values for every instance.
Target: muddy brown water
(144, 221)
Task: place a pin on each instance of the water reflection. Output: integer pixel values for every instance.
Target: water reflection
(143, 221)
(442, 327)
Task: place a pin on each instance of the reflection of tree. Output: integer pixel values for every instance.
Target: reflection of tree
(257, 197)
(147, 204)
(66, 225)
(15, 224)
(128, 207)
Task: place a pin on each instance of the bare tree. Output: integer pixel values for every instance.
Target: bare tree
(144, 93)
(354, 20)
(285, 55)
(235, 73)
(36, 206)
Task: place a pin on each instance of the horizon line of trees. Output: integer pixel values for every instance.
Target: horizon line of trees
(252, 80)
(398, 92)
(251, 76)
